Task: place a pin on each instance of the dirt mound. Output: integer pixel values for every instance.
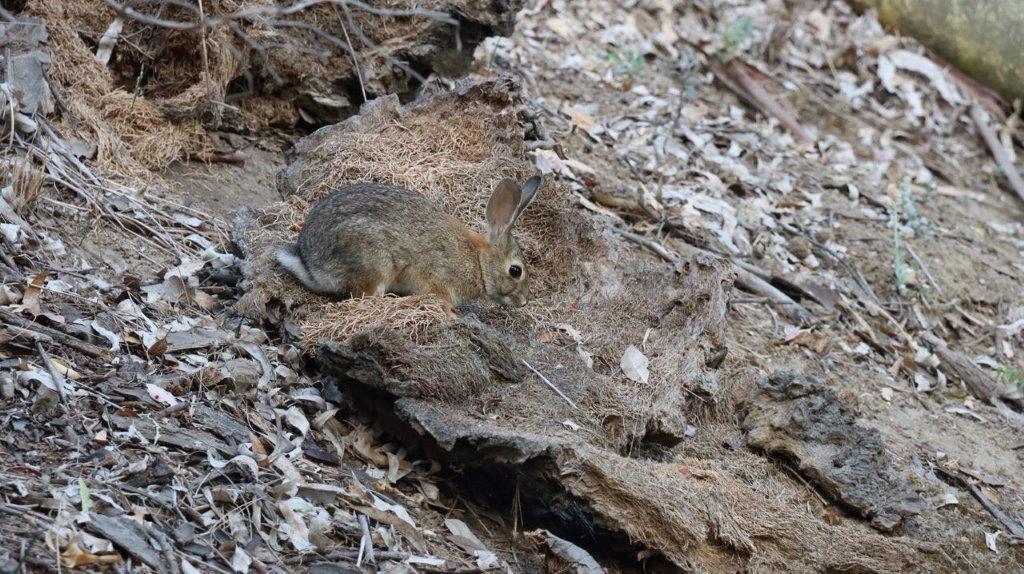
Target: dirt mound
(800, 419)
(166, 84)
(470, 387)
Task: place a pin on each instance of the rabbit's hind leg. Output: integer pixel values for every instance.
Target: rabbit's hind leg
(368, 285)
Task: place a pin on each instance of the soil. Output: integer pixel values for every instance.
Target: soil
(958, 231)
(968, 275)
(221, 188)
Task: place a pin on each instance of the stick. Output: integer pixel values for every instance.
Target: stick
(202, 45)
(736, 75)
(1013, 526)
(978, 382)
(10, 262)
(752, 283)
(550, 384)
(959, 480)
(54, 334)
(998, 151)
(924, 268)
(660, 250)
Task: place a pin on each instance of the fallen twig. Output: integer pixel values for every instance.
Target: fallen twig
(8, 262)
(53, 334)
(924, 269)
(753, 284)
(977, 381)
(348, 555)
(657, 248)
(959, 479)
(998, 151)
(550, 384)
(1013, 526)
(738, 77)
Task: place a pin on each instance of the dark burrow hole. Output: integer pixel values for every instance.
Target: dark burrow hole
(524, 494)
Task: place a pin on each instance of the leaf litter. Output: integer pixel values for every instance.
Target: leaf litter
(173, 378)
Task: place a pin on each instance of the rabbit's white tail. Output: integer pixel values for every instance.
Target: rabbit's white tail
(289, 258)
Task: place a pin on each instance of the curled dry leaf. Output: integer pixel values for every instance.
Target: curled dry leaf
(240, 561)
(30, 300)
(75, 557)
(161, 395)
(297, 419)
(112, 337)
(634, 365)
(295, 527)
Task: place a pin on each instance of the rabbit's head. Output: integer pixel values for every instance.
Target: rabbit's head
(506, 279)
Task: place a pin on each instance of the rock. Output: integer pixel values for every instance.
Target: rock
(24, 41)
(667, 423)
(800, 247)
(798, 418)
(245, 373)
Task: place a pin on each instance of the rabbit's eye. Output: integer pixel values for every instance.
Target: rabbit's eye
(515, 271)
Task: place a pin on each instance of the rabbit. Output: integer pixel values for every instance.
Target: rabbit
(374, 238)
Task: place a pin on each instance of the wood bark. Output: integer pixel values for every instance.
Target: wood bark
(984, 38)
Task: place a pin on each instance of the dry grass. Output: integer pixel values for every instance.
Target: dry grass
(25, 181)
(131, 132)
(153, 102)
(341, 320)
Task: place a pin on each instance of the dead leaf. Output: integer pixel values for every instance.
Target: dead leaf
(464, 538)
(634, 365)
(560, 27)
(114, 338)
(297, 419)
(990, 540)
(581, 119)
(906, 60)
(298, 532)
(158, 348)
(363, 443)
(397, 468)
(204, 300)
(107, 42)
(548, 162)
(161, 395)
(579, 560)
(30, 300)
(75, 557)
(240, 561)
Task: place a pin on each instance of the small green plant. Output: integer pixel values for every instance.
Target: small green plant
(629, 64)
(899, 265)
(138, 86)
(921, 225)
(734, 36)
(1010, 374)
(905, 209)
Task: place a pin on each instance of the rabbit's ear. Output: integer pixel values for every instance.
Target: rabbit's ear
(503, 208)
(527, 194)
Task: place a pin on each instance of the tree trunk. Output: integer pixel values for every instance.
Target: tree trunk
(984, 38)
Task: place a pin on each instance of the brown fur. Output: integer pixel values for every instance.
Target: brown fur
(370, 238)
